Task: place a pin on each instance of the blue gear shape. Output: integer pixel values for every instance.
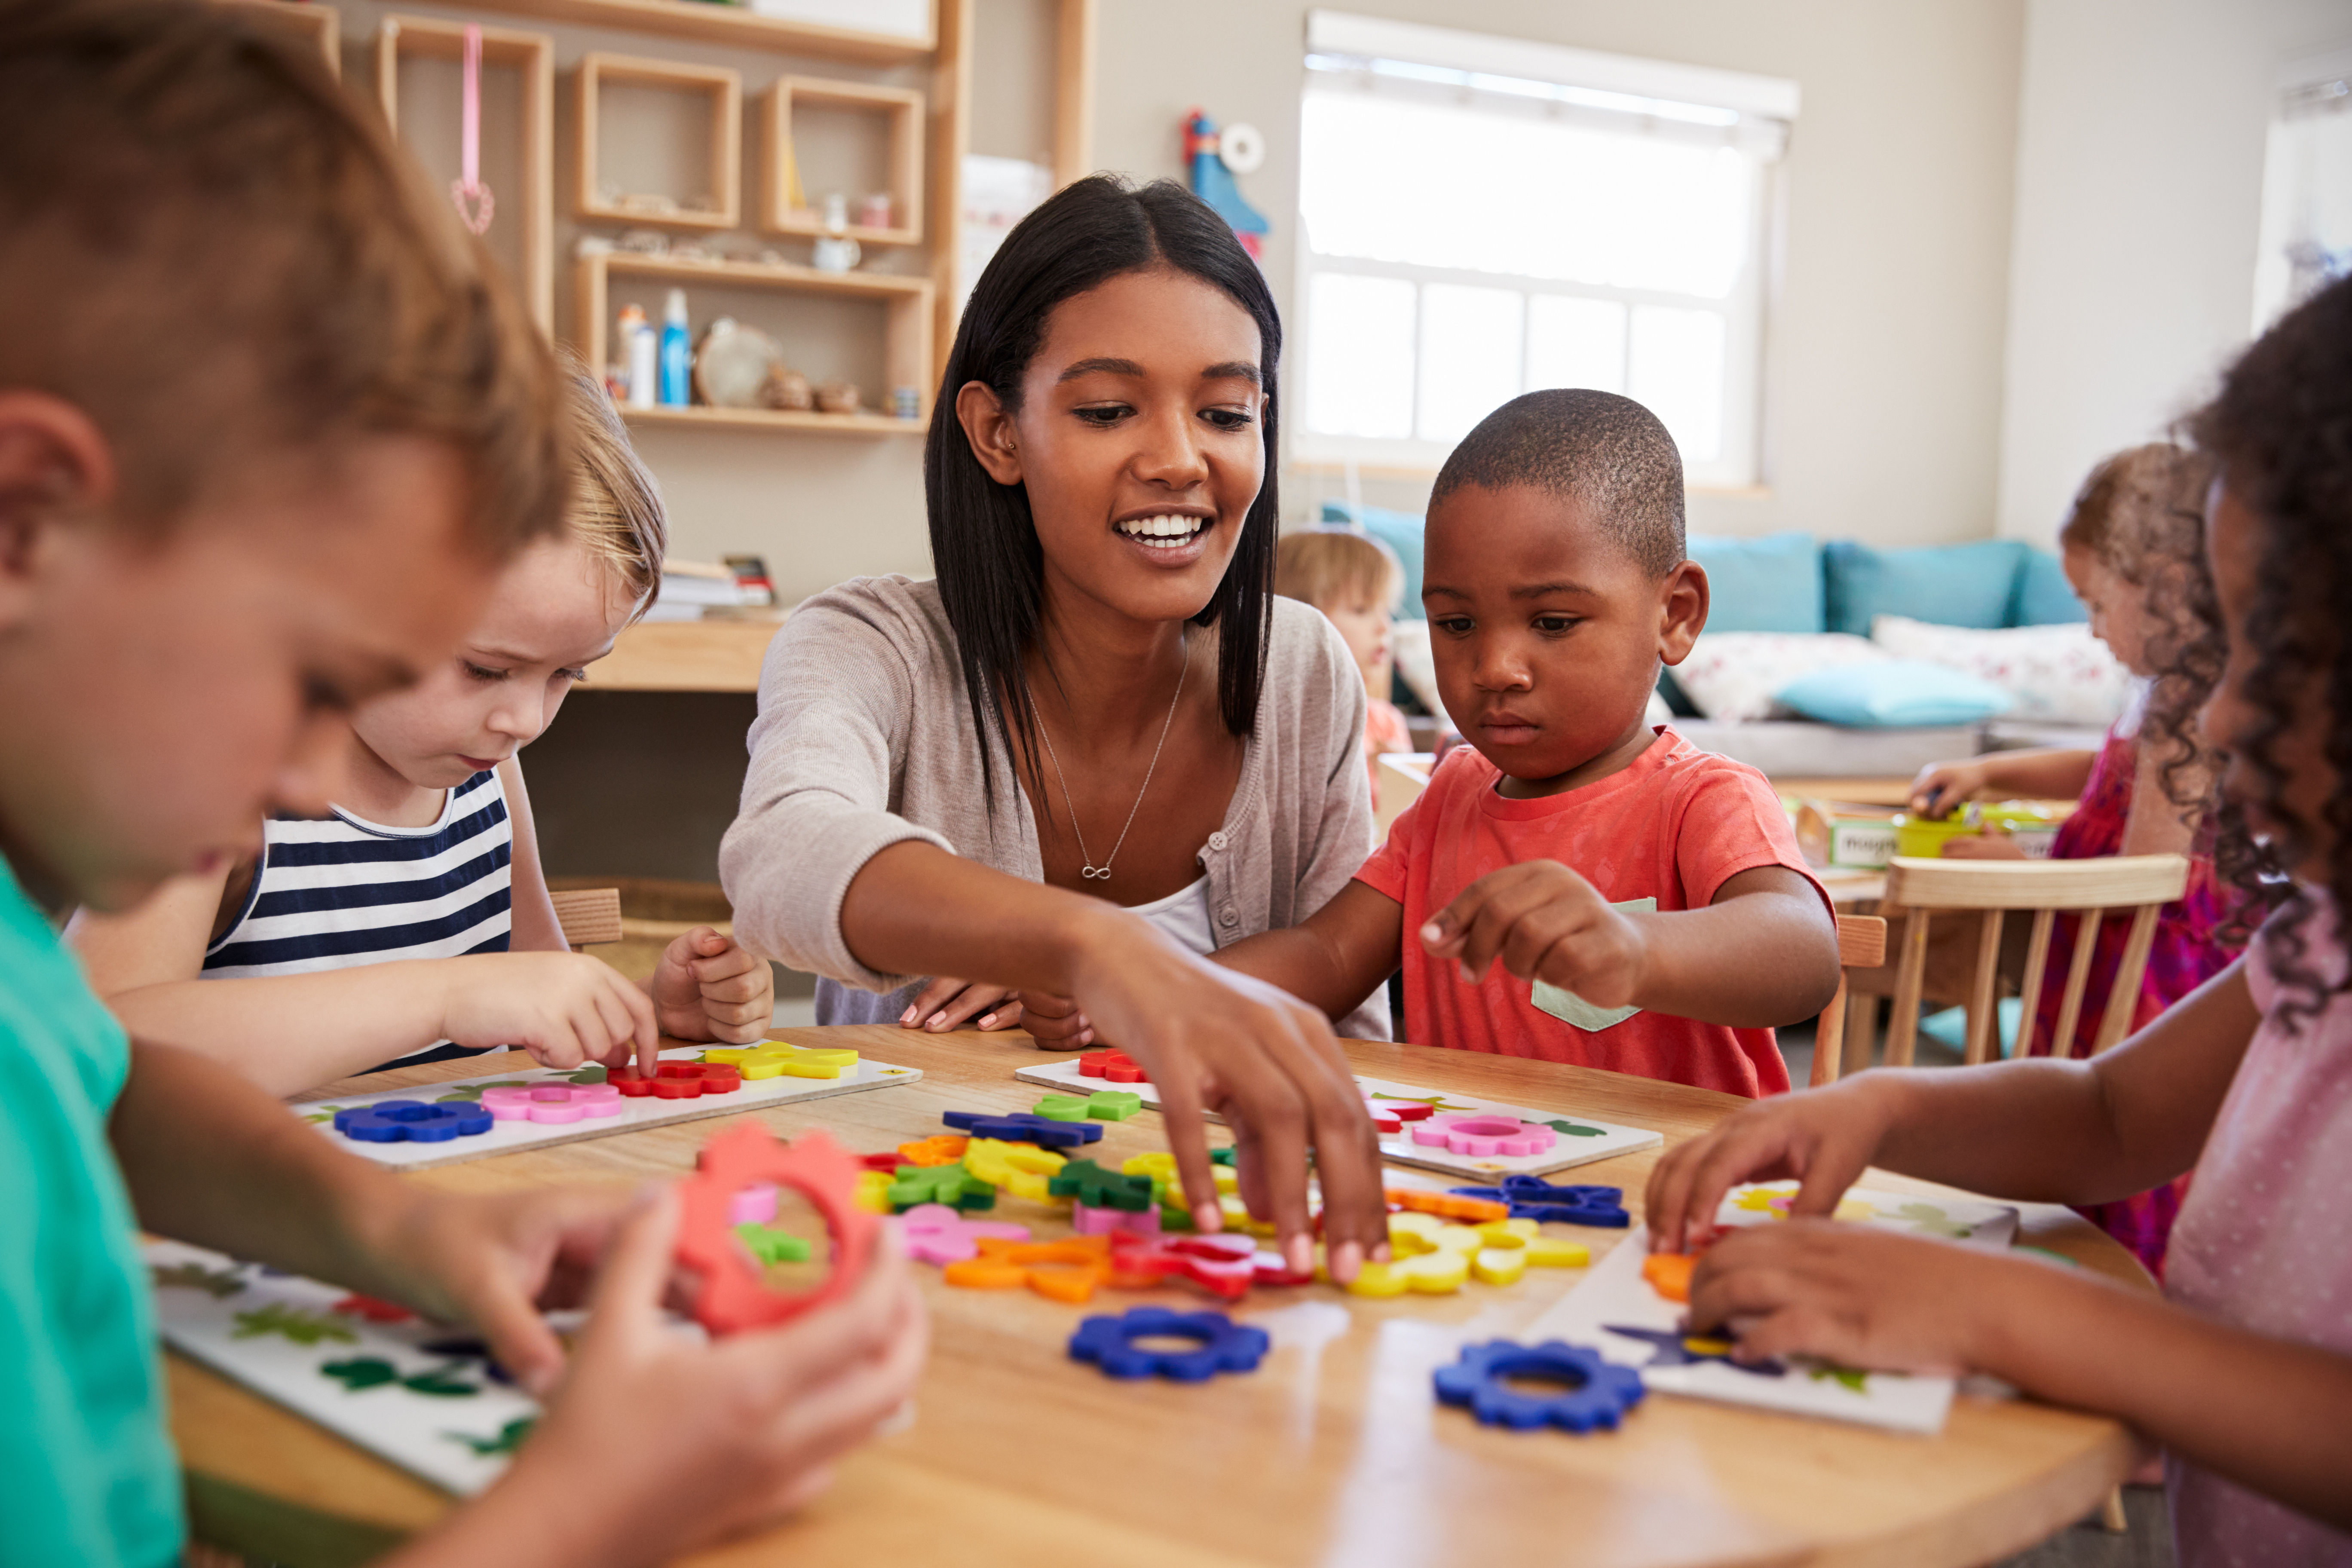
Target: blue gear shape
(1225, 1345)
(1532, 1197)
(1603, 1393)
(412, 1121)
(1025, 1127)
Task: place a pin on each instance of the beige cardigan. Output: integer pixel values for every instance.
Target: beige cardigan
(865, 738)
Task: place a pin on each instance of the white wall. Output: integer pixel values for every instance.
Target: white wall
(2139, 164)
(1884, 368)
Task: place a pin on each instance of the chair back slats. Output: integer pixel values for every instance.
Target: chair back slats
(2078, 980)
(1910, 979)
(1862, 944)
(1984, 1008)
(2037, 960)
(588, 915)
(2120, 997)
(2107, 883)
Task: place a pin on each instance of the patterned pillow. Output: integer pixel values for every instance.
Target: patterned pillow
(2058, 674)
(1732, 676)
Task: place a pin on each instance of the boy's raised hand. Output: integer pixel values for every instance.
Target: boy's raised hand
(566, 1009)
(1823, 1138)
(707, 988)
(1544, 922)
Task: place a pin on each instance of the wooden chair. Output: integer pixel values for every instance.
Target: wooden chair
(588, 915)
(2137, 885)
(1862, 944)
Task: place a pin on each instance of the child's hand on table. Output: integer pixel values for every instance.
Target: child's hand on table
(707, 988)
(1545, 922)
(949, 1004)
(1823, 1138)
(1940, 786)
(566, 1009)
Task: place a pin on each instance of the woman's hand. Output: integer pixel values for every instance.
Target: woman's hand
(1213, 1039)
(707, 988)
(1824, 1138)
(565, 1009)
(1940, 786)
(949, 1004)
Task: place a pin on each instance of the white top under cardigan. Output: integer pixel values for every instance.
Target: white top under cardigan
(864, 739)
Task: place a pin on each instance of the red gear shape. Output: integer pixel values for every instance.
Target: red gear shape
(734, 1295)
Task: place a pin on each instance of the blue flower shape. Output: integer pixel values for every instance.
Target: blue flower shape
(1532, 1197)
(1600, 1395)
(1225, 1345)
(413, 1120)
(1025, 1127)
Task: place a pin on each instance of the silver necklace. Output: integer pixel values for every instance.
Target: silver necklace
(1089, 870)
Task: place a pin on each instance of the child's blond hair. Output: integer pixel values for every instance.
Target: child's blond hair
(2140, 509)
(615, 508)
(1335, 566)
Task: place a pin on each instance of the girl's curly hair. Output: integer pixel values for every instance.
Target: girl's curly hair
(2281, 430)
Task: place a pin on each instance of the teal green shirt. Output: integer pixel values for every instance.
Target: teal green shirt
(87, 1462)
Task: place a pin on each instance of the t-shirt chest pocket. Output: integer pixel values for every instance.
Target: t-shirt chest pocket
(1574, 1010)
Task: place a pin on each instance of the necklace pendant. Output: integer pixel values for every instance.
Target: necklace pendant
(1093, 875)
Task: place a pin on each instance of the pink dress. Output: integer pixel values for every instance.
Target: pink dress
(2264, 1242)
(2185, 955)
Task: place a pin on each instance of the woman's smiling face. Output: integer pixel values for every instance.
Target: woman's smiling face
(1138, 439)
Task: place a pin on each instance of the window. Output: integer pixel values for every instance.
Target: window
(1482, 218)
(2307, 223)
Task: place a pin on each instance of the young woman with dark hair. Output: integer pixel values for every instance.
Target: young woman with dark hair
(1096, 748)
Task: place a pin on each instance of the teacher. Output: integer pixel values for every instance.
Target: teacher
(1096, 747)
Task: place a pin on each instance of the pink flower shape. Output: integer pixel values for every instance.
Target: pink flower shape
(553, 1102)
(1484, 1136)
(938, 1234)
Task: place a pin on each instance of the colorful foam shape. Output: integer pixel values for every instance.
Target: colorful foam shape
(1470, 1210)
(1552, 1252)
(1090, 1221)
(950, 1185)
(1021, 1169)
(551, 1102)
(873, 1190)
(412, 1121)
(1484, 1137)
(1597, 1398)
(1023, 1127)
(1671, 1347)
(1113, 1066)
(1669, 1274)
(1224, 1344)
(940, 1149)
(1532, 1197)
(781, 1059)
(1095, 1187)
(734, 1294)
(1070, 1270)
(936, 1234)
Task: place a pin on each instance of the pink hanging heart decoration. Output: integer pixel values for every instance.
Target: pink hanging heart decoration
(476, 205)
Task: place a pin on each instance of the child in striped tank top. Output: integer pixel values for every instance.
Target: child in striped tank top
(413, 922)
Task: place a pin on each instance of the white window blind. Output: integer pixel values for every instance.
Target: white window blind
(2306, 220)
(1482, 217)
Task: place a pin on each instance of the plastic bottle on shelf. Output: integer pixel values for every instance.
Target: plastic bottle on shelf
(677, 353)
(642, 355)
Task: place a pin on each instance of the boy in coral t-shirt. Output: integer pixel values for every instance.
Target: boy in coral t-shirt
(1584, 889)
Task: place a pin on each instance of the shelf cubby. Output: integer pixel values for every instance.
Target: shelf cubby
(906, 358)
(741, 26)
(903, 111)
(321, 27)
(722, 93)
(529, 209)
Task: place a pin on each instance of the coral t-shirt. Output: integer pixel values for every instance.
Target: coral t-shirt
(1673, 826)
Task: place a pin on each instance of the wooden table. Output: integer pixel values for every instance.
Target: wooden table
(1335, 1451)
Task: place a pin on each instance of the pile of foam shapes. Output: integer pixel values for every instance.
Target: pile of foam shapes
(1532, 1197)
(413, 1120)
(1597, 1395)
(1073, 1268)
(1023, 1127)
(1434, 1257)
(1224, 1345)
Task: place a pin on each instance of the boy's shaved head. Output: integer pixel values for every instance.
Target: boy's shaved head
(1595, 447)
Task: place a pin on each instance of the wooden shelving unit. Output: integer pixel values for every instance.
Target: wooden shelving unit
(721, 24)
(532, 54)
(905, 350)
(778, 215)
(724, 90)
(319, 26)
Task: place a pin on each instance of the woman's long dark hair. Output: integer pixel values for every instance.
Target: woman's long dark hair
(2282, 430)
(983, 541)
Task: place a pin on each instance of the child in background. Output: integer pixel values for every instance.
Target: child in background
(411, 922)
(1356, 583)
(1582, 887)
(271, 433)
(2242, 1372)
(2133, 547)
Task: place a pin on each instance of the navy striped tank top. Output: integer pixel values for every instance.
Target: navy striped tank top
(335, 891)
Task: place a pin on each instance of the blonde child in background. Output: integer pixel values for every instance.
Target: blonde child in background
(2243, 1371)
(2133, 547)
(412, 923)
(1356, 582)
(270, 435)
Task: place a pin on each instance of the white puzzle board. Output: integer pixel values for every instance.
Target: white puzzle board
(506, 1137)
(1615, 1294)
(279, 1334)
(1589, 1140)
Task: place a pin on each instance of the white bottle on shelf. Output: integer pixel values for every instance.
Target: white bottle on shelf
(638, 342)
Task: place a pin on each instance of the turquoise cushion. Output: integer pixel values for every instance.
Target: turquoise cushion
(1951, 584)
(1400, 531)
(2044, 597)
(1888, 693)
(1768, 584)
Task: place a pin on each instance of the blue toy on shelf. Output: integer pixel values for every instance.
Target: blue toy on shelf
(1025, 1127)
(413, 1120)
(1532, 1197)
(1212, 181)
(1599, 1394)
(1225, 1345)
